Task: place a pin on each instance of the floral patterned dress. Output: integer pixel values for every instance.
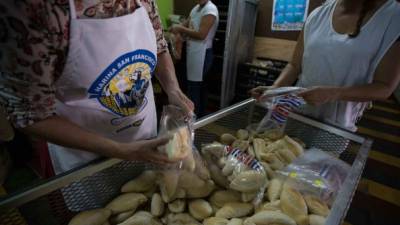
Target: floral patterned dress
(34, 39)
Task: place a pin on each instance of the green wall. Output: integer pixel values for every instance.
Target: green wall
(165, 7)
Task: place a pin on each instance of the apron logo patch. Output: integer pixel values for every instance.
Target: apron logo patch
(121, 87)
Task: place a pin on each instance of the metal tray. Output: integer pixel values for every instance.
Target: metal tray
(95, 184)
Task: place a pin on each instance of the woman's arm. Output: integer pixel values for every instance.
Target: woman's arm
(386, 79)
(385, 82)
(206, 23)
(293, 69)
(61, 131)
(165, 73)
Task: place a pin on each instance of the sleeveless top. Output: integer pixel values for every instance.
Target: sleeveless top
(333, 59)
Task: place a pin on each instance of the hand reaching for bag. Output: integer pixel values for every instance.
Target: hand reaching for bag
(258, 91)
(145, 150)
(320, 95)
(179, 99)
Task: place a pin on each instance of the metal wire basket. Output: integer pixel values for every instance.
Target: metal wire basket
(94, 185)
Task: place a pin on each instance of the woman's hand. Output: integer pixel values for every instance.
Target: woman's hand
(144, 150)
(176, 29)
(320, 95)
(176, 97)
(258, 91)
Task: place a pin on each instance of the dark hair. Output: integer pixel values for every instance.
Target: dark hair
(365, 8)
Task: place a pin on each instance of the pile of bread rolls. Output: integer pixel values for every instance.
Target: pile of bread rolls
(216, 193)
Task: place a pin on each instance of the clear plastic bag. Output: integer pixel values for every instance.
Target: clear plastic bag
(174, 121)
(175, 42)
(279, 102)
(281, 91)
(234, 169)
(318, 173)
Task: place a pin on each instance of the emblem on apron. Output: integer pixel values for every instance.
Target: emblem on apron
(122, 86)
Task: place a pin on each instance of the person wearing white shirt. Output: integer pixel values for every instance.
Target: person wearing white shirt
(346, 56)
(200, 29)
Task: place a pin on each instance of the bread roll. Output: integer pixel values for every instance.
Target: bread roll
(215, 221)
(274, 189)
(248, 197)
(177, 206)
(157, 205)
(119, 218)
(269, 218)
(235, 221)
(201, 191)
(144, 182)
(259, 147)
(242, 134)
(234, 210)
(227, 139)
(293, 204)
(92, 217)
(126, 202)
(316, 206)
(248, 181)
(270, 206)
(189, 180)
(317, 220)
(219, 198)
(200, 209)
(179, 146)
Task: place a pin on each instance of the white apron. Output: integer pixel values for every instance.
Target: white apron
(195, 53)
(106, 84)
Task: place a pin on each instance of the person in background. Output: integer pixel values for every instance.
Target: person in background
(200, 29)
(58, 59)
(347, 55)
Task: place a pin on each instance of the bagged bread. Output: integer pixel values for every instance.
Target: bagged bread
(242, 171)
(174, 121)
(316, 206)
(317, 220)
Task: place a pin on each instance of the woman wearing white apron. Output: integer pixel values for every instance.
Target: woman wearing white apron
(347, 55)
(200, 28)
(104, 97)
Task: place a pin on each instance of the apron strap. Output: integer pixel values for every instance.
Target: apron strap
(72, 9)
